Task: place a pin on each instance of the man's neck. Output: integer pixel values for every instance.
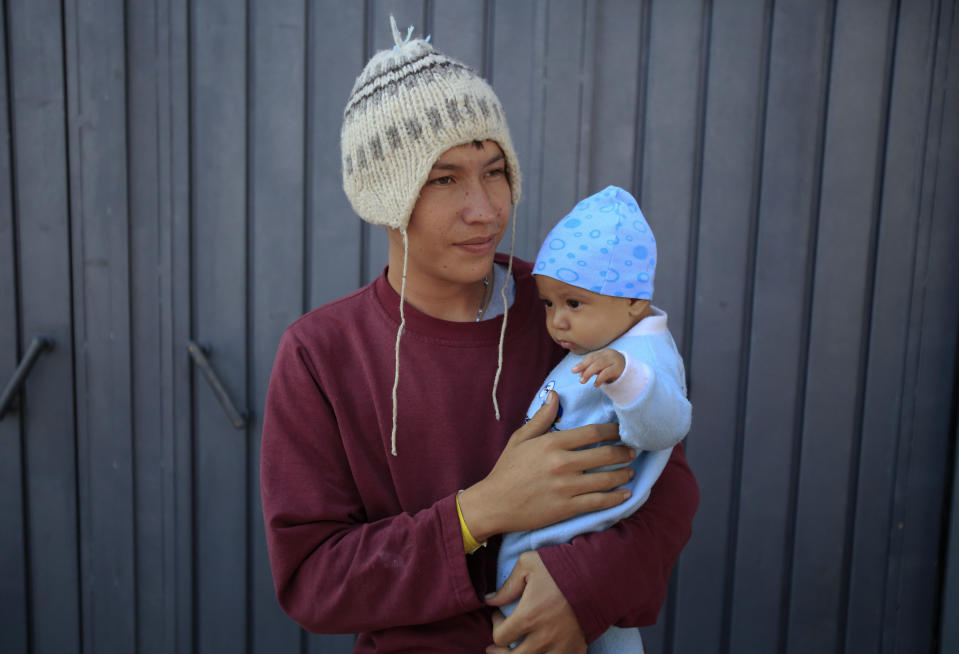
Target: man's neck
(442, 299)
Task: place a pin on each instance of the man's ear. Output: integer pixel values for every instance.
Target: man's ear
(638, 309)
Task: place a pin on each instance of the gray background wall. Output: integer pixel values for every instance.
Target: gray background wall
(169, 170)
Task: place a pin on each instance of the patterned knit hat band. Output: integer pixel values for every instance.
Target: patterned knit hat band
(409, 106)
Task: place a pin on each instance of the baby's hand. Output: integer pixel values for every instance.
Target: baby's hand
(606, 364)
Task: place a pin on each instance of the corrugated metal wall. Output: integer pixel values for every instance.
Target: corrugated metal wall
(170, 172)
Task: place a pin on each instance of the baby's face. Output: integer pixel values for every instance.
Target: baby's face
(582, 321)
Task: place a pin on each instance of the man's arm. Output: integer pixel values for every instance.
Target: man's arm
(617, 576)
(328, 559)
(539, 481)
(543, 618)
(621, 575)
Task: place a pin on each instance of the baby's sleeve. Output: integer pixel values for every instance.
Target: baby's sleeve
(649, 398)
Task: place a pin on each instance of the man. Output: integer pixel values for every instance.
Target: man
(379, 409)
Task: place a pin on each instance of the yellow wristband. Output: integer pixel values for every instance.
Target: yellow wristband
(470, 544)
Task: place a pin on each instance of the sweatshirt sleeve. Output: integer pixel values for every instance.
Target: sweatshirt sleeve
(620, 576)
(334, 570)
(649, 398)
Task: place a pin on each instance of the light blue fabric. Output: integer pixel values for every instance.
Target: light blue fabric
(603, 245)
(617, 640)
(659, 418)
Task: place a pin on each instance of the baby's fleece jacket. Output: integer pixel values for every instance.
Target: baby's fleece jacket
(648, 400)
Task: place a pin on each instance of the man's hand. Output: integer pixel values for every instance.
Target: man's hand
(539, 481)
(607, 365)
(543, 618)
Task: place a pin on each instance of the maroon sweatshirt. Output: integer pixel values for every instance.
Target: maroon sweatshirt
(363, 541)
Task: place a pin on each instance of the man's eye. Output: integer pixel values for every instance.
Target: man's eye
(547, 303)
(445, 180)
(572, 303)
(496, 172)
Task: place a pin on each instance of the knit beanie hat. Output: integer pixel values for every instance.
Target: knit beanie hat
(408, 106)
(603, 245)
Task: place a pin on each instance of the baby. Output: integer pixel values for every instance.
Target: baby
(595, 275)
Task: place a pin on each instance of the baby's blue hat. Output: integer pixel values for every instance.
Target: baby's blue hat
(603, 245)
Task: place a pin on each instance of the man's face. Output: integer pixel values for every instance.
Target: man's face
(460, 216)
(582, 321)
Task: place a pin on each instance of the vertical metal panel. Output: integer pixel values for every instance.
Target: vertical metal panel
(100, 242)
(38, 110)
(460, 26)
(175, 203)
(788, 161)
(276, 158)
(14, 625)
(150, 448)
(219, 102)
(734, 114)
(334, 260)
(948, 625)
(847, 214)
(562, 116)
(947, 208)
(889, 329)
(517, 74)
(148, 61)
(616, 95)
(671, 146)
(929, 410)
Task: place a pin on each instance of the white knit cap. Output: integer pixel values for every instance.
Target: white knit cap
(408, 106)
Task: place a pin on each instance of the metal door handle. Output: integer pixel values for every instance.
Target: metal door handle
(37, 347)
(199, 354)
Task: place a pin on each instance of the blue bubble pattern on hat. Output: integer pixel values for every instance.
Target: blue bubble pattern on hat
(603, 245)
